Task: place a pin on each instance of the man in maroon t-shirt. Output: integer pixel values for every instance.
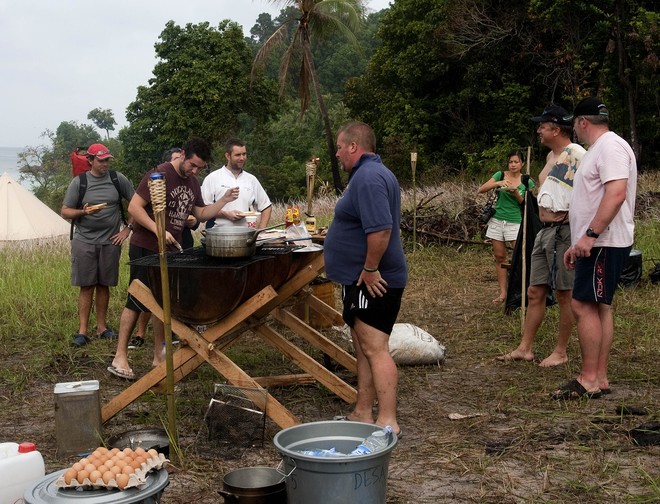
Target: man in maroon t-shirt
(183, 197)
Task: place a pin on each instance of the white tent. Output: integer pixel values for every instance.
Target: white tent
(24, 219)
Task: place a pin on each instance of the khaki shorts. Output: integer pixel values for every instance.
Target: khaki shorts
(502, 230)
(543, 258)
(93, 264)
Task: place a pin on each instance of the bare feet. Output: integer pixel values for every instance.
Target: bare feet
(498, 300)
(353, 417)
(554, 359)
(516, 355)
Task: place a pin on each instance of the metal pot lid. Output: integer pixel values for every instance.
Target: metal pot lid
(45, 491)
(145, 438)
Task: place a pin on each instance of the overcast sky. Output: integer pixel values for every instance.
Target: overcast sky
(62, 58)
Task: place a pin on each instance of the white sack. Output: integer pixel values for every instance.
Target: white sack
(411, 345)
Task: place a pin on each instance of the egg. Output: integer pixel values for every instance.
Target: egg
(121, 464)
(153, 453)
(82, 475)
(108, 476)
(140, 451)
(84, 461)
(127, 469)
(136, 464)
(128, 452)
(78, 466)
(102, 449)
(90, 468)
(102, 468)
(121, 455)
(122, 481)
(94, 476)
(109, 463)
(70, 475)
(114, 451)
(115, 469)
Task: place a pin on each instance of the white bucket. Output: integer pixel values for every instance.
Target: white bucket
(20, 466)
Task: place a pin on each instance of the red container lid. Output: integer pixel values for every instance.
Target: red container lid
(27, 447)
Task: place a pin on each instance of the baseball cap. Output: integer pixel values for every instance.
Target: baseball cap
(99, 151)
(590, 106)
(554, 114)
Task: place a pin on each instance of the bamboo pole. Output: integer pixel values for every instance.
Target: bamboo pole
(523, 289)
(157, 191)
(413, 164)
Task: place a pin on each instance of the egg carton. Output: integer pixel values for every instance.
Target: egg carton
(136, 479)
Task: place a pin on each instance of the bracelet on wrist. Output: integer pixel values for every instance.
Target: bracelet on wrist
(370, 270)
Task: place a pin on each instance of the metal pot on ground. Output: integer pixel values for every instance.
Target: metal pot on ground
(254, 485)
(232, 241)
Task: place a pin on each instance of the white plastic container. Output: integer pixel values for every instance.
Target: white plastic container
(21, 465)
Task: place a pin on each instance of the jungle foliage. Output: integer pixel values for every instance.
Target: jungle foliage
(457, 80)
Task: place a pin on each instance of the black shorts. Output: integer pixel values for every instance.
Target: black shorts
(597, 276)
(138, 272)
(377, 312)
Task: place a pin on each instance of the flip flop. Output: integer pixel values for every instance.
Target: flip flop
(399, 436)
(606, 391)
(125, 374)
(574, 390)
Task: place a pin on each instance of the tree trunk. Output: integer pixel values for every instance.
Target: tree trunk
(329, 135)
(628, 88)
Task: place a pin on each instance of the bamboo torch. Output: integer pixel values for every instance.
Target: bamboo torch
(310, 169)
(523, 293)
(157, 191)
(413, 165)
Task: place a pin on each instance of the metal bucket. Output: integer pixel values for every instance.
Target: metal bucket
(335, 480)
(254, 485)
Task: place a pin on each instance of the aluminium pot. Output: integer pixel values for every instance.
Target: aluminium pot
(254, 485)
(232, 241)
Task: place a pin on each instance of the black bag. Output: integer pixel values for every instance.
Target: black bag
(489, 209)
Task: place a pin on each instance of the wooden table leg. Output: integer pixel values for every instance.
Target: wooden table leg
(304, 361)
(315, 338)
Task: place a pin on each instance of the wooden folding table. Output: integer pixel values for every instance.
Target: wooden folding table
(254, 315)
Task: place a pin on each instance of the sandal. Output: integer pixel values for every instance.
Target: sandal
(108, 334)
(575, 390)
(80, 340)
(125, 374)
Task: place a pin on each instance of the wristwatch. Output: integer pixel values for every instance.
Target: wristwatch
(130, 226)
(591, 233)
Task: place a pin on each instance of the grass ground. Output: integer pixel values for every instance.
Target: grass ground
(514, 445)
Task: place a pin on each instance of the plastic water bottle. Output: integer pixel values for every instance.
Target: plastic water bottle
(377, 441)
(332, 452)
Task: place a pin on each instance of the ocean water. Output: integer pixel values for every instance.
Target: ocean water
(9, 164)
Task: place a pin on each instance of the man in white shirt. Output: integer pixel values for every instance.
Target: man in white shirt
(252, 195)
(602, 230)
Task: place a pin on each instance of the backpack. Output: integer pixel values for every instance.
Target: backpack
(83, 189)
(79, 162)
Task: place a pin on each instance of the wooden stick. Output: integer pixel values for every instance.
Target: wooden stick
(158, 193)
(523, 293)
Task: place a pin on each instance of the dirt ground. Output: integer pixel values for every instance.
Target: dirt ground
(514, 445)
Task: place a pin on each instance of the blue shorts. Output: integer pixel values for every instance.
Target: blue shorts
(597, 276)
(377, 312)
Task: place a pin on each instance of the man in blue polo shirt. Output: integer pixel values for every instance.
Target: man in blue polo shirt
(363, 252)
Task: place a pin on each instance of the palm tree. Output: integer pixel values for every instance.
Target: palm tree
(316, 20)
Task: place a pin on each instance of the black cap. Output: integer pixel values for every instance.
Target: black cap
(590, 106)
(554, 114)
